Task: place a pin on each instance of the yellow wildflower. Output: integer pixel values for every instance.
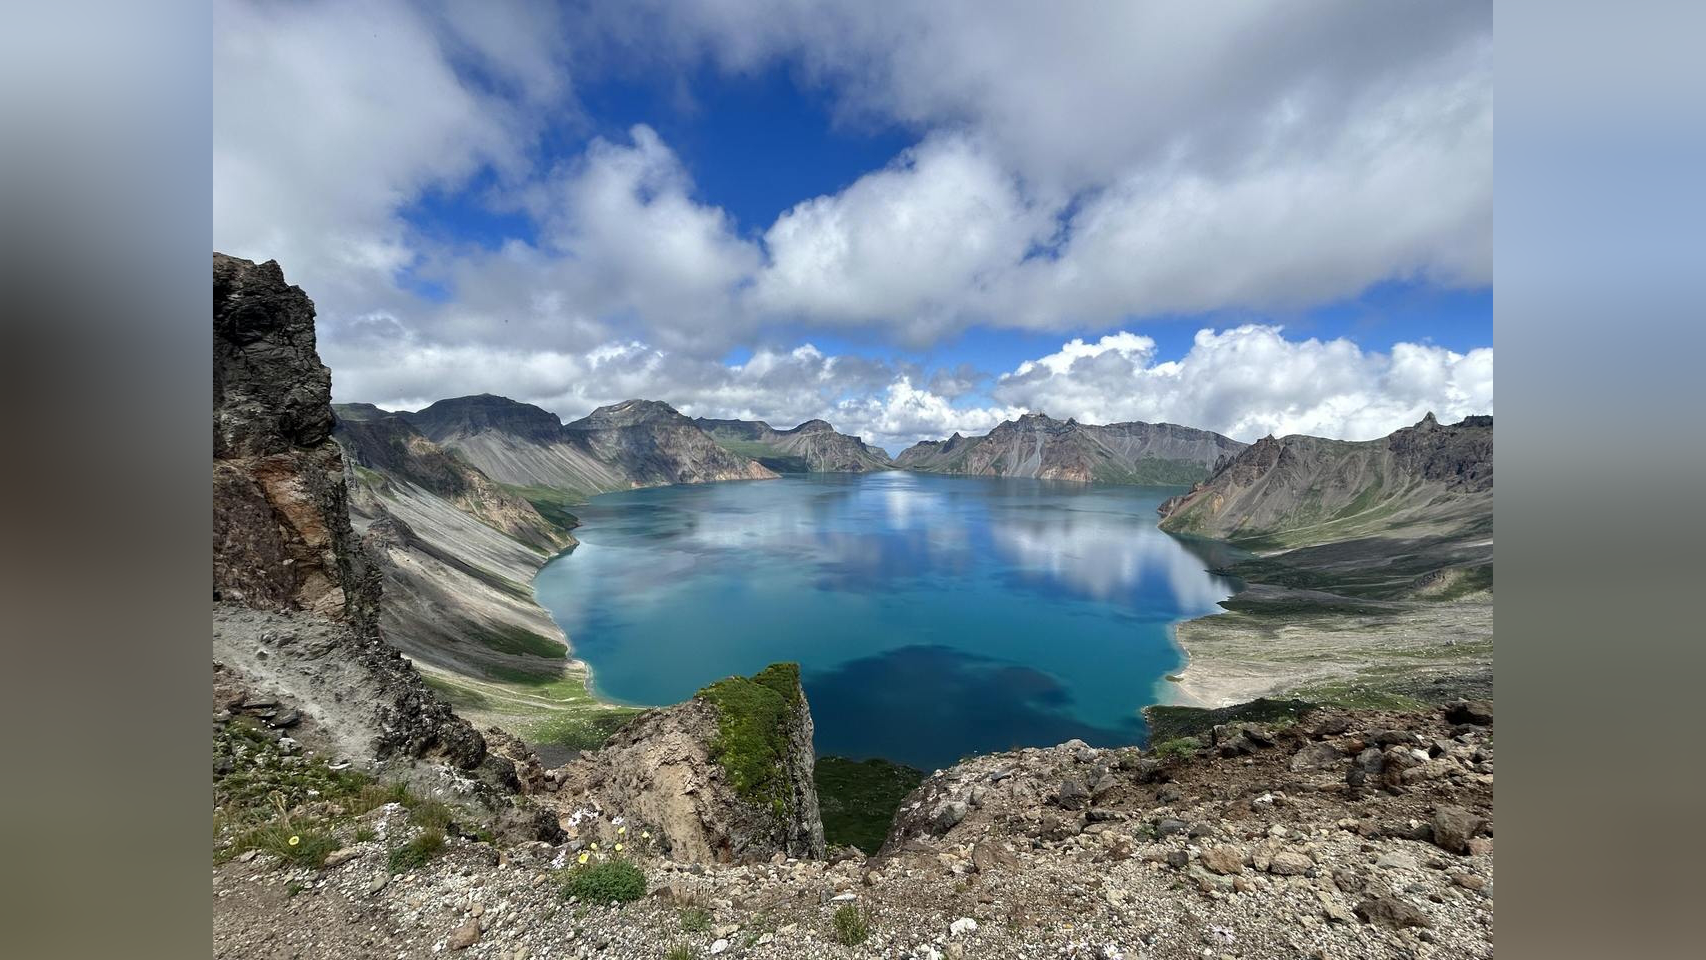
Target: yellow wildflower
(618, 848)
(621, 830)
(295, 840)
(595, 844)
(582, 857)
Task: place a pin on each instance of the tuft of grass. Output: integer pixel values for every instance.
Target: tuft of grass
(1179, 748)
(418, 852)
(376, 795)
(613, 881)
(431, 814)
(258, 773)
(309, 849)
(695, 920)
(365, 834)
(852, 925)
(681, 951)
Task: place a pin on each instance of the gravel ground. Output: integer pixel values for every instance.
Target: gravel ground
(1266, 851)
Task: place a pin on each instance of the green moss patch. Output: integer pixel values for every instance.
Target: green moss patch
(766, 454)
(613, 881)
(1151, 471)
(1170, 723)
(858, 798)
(551, 503)
(516, 640)
(754, 717)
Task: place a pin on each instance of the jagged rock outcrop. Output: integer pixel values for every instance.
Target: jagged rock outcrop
(357, 697)
(811, 447)
(1037, 445)
(281, 530)
(296, 607)
(725, 777)
(1300, 490)
(638, 443)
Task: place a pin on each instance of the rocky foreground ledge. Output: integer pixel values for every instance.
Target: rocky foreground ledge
(1337, 835)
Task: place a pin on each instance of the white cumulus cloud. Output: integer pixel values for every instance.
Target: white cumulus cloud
(1249, 381)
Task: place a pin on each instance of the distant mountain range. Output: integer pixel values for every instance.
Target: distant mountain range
(637, 443)
(1036, 445)
(811, 447)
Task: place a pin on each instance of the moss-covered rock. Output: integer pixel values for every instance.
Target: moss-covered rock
(726, 776)
(754, 720)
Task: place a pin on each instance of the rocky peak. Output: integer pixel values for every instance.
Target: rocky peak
(813, 426)
(347, 412)
(281, 529)
(1461, 454)
(629, 413)
(486, 412)
(271, 394)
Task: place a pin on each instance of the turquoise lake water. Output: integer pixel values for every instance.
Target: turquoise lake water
(932, 616)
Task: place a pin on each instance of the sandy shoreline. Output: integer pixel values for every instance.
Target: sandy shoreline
(1394, 654)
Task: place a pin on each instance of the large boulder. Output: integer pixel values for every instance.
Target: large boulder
(1477, 712)
(1317, 755)
(725, 777)
(1453, 827)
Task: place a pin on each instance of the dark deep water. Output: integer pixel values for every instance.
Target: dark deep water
(932, 616)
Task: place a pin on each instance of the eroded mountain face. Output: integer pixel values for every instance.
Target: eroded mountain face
(457, 552)
(1299, 490)
(811, 447)
(1372, 573)
(392, 447)
(638, 443)
(652, 445)
(1039, 446)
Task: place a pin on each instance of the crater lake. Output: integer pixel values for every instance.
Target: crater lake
(932, 616)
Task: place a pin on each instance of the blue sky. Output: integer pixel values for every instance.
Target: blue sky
(873, 215)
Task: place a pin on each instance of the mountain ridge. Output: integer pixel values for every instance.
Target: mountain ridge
(1369, 576)
(1301, 490)
(814, 446)
(1037, 445)
(622, 446)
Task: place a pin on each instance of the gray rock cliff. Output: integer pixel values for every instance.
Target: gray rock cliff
(296, 614)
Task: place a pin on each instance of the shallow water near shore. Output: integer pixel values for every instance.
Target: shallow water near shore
(932, 616)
